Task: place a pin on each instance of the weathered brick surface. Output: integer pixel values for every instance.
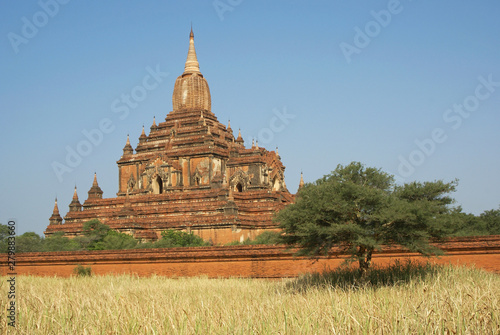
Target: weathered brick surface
(238, 261)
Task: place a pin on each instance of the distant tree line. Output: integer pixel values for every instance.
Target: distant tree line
(96, 236)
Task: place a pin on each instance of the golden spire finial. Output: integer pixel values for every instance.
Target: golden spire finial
(143, 133)
(192, 65)
(95, 180)
(154, 121)
(56, 209)
(75, 196)
(301, 183)
(128, 140)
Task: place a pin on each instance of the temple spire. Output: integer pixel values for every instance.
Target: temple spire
(95, 191)
(94, 183)
(127, 149)
(143, 136)
(56, 209)
(75, 205)
(239, 139)
(301, 183)
(75, 195)
(56, 217)
(192, 65)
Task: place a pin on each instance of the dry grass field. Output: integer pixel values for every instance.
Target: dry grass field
(445, 300)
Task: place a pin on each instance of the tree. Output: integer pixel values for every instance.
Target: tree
(267, 238)
(175, 238)
(116, 241)
(359, 209)
(4, 235)
(59, 242)
(29, 242)
(463, 224)
(491, 220)
(93, 232)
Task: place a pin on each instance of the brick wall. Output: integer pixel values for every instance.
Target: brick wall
(238, 261)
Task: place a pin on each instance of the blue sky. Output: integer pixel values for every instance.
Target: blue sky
(412, 87)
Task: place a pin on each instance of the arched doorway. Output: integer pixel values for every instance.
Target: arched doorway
(239, 187)
(276, 184)
(157, 185)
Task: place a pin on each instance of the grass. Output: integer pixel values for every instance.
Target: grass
(406, 299)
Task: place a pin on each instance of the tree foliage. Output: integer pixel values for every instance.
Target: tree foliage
(59, 242)
(264, 238)
(114, 240)
(4, 235)
(491, 219)
(176, 238)
(82, 271)
(361, 208)
(29, 242)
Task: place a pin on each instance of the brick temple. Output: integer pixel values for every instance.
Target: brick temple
(189, 173)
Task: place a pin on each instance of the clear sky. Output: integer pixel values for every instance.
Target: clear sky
(412, 87)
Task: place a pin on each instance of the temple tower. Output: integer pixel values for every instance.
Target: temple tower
(56, 218)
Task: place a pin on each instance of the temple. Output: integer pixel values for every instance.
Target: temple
(189, 173)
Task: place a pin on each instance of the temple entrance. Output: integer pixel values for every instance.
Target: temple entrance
(239, 187)
(276, 184)
(157, 185)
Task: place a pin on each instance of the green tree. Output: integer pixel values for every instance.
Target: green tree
(491, 220)
(463, 224)
(59, 242)
(93, 232)
(264, 238)
(359, 209)
(4, 235)
(176, 238)
(29, 242)
(267, 238)
(116, 241)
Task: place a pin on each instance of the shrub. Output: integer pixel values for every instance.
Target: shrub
(268, 237)
(347, 277)
(176, 238)
(82, 271)
(265, 238)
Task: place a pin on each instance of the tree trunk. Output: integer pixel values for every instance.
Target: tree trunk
(364, 259)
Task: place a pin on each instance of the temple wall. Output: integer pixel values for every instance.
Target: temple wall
(124, 175)
(226, 235)
(185, 172)
(238, 261)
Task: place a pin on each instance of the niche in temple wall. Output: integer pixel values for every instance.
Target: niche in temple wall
(200, 171)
